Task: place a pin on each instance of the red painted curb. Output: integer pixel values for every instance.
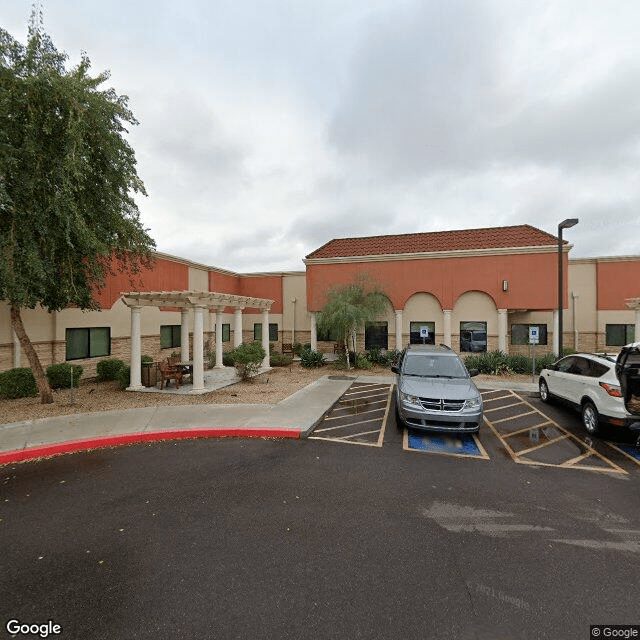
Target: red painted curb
(43, 451)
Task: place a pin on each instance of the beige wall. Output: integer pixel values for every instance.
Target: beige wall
(422, 307)
(581, 281)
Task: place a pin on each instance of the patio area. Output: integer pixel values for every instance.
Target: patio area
(214, 379)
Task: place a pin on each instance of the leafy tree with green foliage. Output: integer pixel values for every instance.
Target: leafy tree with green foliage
(350, 306)
(68, 216)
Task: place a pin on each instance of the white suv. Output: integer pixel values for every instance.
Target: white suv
(589, 383)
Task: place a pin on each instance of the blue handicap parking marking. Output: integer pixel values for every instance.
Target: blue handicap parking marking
(630, 450)
(441, 443)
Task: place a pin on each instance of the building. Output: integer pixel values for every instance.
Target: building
(475, 290)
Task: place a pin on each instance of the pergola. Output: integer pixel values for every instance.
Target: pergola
(198, 301)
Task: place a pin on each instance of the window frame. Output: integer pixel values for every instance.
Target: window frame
(628, 329)
(89, 355)
(257, 333)
(176, 336)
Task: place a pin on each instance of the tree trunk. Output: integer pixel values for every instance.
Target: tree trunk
(46, 397)
(346, 352)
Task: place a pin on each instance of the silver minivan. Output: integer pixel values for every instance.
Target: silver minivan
(434, 391)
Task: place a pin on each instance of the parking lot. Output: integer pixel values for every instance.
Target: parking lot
(517, 427)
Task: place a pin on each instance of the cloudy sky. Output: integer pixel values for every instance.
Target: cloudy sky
(268, 127)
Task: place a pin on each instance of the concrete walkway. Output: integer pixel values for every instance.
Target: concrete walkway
(293, 417)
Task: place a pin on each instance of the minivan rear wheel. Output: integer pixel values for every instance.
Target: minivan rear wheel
(590, 418)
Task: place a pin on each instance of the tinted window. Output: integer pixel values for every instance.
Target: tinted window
(597, 369)
(581, 367)
(566, 364)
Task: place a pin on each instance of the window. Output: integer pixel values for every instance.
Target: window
(273, 331)
(376, 334)
(520, 333)
(414, 332)
(170, 336)
(473, 336)
(226, 332)
(620, 334)
(328, 336)
(88, 343)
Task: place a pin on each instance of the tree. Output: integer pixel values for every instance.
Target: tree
(350, 306)
(67, 178)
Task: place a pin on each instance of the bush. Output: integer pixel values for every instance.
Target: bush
(123, 376)
(247, 358)
(280, 360)
(519, 363)
(362, 362)
(382, 358)
(108, 369)
(59, 375)
(311, 359)
(545, 361)
(18, 383)
(146, 359)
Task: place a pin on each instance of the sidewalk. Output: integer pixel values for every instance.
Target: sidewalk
(293, 417)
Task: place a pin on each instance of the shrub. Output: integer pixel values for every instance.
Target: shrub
(362, 362)
(519, 363)
(247, 358)
(545, 361)
(124, 376)
(476, 362)
(59, 375)
(146, 359)
(108, 369)
(311, 359)
(280, 360)
(18, 383)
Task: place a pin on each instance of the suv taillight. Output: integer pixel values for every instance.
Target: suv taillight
(612, 389)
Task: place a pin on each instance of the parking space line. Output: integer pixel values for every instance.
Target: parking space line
(535, 426)
(506, 406)
(340, 426)
(623, 452)
(361, 413)
(520, 415)
(542, 444)
(363, 433)
(588, 451)
(364, 396)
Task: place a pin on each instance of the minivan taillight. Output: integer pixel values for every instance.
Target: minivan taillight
(612, 389)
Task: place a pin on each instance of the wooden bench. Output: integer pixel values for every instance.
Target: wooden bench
(168, 373)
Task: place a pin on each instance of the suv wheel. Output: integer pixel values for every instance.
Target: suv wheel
(590, 418)
(544, 390)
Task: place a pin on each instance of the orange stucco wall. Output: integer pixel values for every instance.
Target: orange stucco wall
(165, 275)
(533, 279)
(617, 281)
(224, 283)
(263, 287)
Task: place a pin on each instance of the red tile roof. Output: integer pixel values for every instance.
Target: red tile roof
(465, 239)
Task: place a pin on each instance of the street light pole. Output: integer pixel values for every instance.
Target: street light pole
(565, 224)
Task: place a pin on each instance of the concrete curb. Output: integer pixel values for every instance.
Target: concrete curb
(88, 444)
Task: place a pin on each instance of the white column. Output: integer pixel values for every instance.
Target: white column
(136, 351)
(502, 330)
(447, 327)
(556, 335)
(637, 336)
(265, 336)
(237, 328)
(219, 364)
(398, 329)
(16, 349)
(198, 348)
(314, 332)
(184, 334)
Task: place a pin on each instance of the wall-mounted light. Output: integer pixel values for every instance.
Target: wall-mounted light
(505, 285)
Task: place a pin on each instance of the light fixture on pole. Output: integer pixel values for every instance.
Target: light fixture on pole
(565, 224)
